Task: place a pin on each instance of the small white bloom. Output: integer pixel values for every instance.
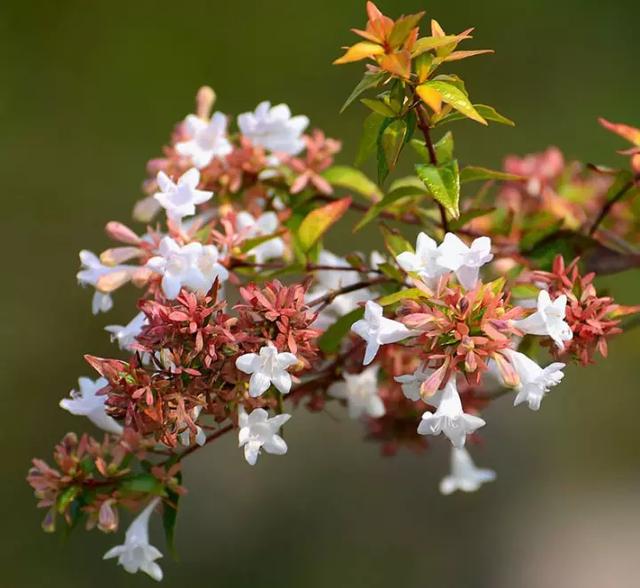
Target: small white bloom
(87, 402)
(449, 418)
(201, 436)
(266, 368)
(194, 266)
(361, 393)
(465, 476)
(548, 319)
(535, 381)
(91, 271)
(424, 261)
(274, 128)
(137, 553)
(180, 198)
(377, 330)
(411, 383)
(126, 335)
(456, 256)
(208, 139)
(257, 431)
(266, 224)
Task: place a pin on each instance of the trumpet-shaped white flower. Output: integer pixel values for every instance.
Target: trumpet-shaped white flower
(449, 418)
(464, 476)
(274, 128)
(548, 320)
(424, 261)
(535, 381)
(194, 266)
(377, 330)
(465, 261)
(266, 224)
(266, 368)
(137, 553)
(91, 271)
(201, 436)
(208, 139)
(180, 198)
(87, 402)
(126, 335)
(361, 393)
(411, 383)
(258, 431)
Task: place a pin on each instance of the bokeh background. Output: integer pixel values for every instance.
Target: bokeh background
(90, 91)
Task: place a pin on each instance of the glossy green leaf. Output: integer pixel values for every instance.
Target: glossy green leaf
(378, 107)
(402, 27)
(318, 221)
(394, 241)
(350, 178)
(369, 139)
(430, 43)
(369, 80)
(329, 341)
(390, 143)
(408, 294)
(145, 483)
(443, 182)
(456, 98)
(444, 148)
(487, 112)
(481, 174)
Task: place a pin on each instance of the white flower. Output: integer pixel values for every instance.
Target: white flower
(91, 271)
(548, 319)
(126, 335)
(449, 418)
(411, 383)
(274, 128)
(465, 261)
(136, 553)
(208, 139)
(86, 402)
(377, 330)
(424, 261)
(361, 393)
(201, 436)
(535, 381)
(266, 224)
(179, 199)
(258, 431)
(465, 476)
(194, 266)
(266, 368)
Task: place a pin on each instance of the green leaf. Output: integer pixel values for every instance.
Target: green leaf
(378, 107)
(444, 148)
(386, 202)
(487, 112)
(371, 130)
(390, 143)
(329, 341)
(402, 27)
(250, 244)
(170, 517)
(443, 182)
(318, 221)
(369, 80)
(455, 97)
(66, 498)
(146, 483)
(350, 178)
(408, 294)
(394, 241)
(429, 43)
(468, 216)
(477, 174)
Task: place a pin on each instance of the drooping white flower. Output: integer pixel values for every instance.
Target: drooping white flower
(201, 436)
(274, 128)
(258, 431)
(194, 266)
(411, 383)
(361, 393)
(91, 271)
(137, 553)
(180, 198)
(126, 335)
(208, 139)
(87, 402)
(464, 476)
(266, 224)
(465, 261)
(535, 381)
(424, 261)
(267, 367)
(449, 418)
(377, 330)
(548, 320)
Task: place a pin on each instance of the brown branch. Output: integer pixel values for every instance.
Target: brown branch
(328, 298)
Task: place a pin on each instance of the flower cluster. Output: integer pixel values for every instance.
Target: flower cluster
(243, 311)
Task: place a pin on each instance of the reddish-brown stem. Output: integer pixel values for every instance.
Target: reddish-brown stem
(328, 298)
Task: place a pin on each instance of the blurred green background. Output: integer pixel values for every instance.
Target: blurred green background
(90, 91)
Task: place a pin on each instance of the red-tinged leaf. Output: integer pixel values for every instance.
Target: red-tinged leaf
(398, 64)
(178, 316)
(459, 55)
(318, 221)
(627, 132)
(360, 51)
(403, 27)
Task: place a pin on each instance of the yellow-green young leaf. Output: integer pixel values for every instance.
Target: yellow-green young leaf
(443, 182)
(378, 107)
(370, 132)
(456, 98)
(370, 80)
(350, 178)
(444, 148)
(250, 244)
(409, 294)
(487, 112)
(479, 174)
(318, 221)
(390, 145)
(429, 43)
(330, 340)
(394, 241)
(386, 202)
(402, 28)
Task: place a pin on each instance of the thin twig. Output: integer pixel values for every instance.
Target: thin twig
(606, 209)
